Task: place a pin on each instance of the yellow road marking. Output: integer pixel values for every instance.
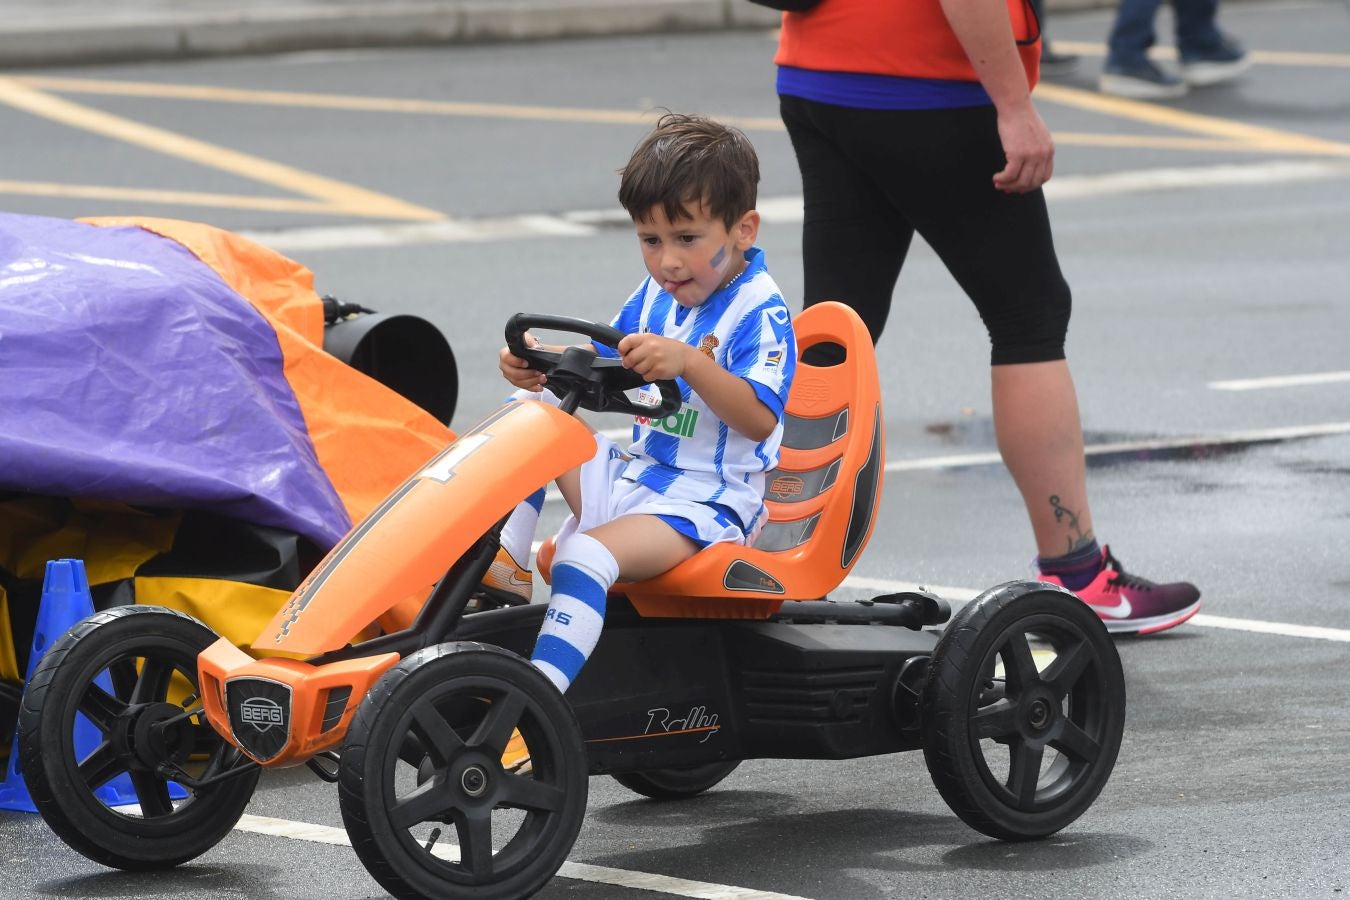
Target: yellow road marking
(496, 110)
(1262, 57)
(1254, 136)
(1224, 135)
(204, 93)
(1157, 142)
(177, 198)
(338, 196)
(334, 197)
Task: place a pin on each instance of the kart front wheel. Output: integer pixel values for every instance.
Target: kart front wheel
(112, 701)
(677, 783)
(424, 758)
(1023, 711)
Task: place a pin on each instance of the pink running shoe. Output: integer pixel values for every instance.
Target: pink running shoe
(1129, 604)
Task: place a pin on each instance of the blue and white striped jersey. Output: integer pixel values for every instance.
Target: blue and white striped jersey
(693, 455)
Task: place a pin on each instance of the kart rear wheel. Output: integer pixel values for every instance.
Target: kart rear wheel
(127, 672)
(424, 755)
(1023, 710)
(677, 783)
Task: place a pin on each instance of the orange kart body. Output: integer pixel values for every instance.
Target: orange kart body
(396, 655)
(821, 502)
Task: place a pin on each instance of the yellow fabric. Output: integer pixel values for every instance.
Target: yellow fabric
(9, 661)
(367, 437)
(232, 609)
(113, 539)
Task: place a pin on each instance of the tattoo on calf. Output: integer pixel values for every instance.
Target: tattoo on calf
(1078, 537)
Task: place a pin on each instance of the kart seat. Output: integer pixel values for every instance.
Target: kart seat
(821, 499)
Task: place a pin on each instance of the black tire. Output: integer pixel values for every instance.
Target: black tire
(144, 652)
(676, 784)
(985, 736)
(424, 750)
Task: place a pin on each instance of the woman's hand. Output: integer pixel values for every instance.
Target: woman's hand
(1029, 149)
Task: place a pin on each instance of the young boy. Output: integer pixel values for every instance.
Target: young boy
(708, 315)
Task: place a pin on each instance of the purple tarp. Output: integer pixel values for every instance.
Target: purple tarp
(130, 371)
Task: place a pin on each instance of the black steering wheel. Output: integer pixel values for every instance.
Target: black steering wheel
(582, 377)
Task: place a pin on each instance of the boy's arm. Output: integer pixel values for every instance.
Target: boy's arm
(729, 396)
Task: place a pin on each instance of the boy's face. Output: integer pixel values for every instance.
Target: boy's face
(692, 257)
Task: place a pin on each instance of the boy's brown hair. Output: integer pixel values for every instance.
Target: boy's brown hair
(687, 160)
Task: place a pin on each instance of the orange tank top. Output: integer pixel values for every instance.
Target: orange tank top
(906, 38)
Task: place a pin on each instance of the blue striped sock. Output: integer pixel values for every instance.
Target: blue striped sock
(583, 572)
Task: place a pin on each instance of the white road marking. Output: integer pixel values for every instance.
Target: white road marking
(1078, 187)
(989, 458)
(1314, 632)
(1280, 381)
(1225, 439)
(785, 210)
(960, 596)
(644, 881)
(1222, 439)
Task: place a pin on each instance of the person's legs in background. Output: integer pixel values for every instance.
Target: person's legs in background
(1052, 63)
(1208, 56)
(1128, 72)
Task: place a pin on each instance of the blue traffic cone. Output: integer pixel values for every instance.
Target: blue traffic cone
(65, 601)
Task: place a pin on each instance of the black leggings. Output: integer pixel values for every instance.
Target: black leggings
(871, 178)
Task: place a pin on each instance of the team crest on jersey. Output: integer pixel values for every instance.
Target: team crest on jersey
(708, 345)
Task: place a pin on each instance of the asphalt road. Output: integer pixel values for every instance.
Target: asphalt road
(1205, 241)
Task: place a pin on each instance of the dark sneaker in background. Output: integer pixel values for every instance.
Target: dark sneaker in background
(1143, 80)
(1054, 62)
(1227, 60)
(1128, 604)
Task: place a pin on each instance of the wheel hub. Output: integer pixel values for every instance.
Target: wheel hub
(156, 740)
(1039, 714)
(474, 780)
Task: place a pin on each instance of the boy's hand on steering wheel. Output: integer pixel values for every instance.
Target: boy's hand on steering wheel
(654, 357)
(518, 371)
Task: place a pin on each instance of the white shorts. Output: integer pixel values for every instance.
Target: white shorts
(606, 495)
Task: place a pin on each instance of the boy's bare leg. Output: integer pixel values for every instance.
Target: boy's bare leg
(643, 546)
(629, 548)
(1041, 440)
(569, 482)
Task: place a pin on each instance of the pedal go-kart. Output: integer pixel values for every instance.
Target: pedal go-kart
(724, 658)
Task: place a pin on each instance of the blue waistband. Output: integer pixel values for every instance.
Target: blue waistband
(861, 90)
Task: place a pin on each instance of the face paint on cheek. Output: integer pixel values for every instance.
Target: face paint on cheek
(720, 261)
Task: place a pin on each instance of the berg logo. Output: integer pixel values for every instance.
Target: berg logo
(261, 713)
(682, 424)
